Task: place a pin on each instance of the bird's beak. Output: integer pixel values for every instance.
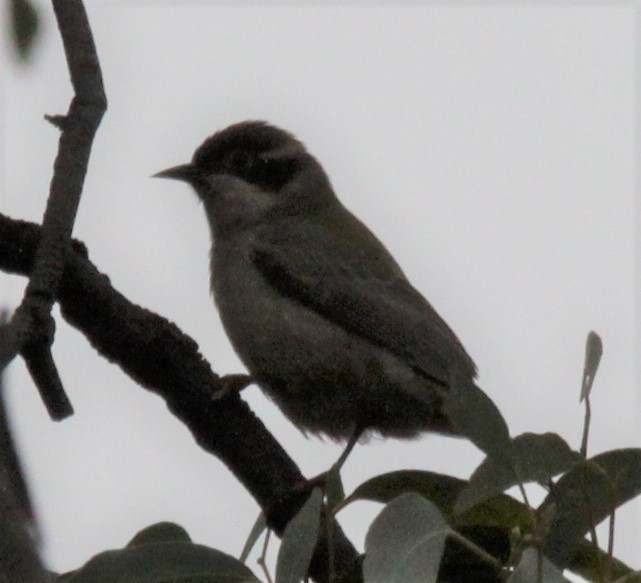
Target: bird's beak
(185, 172)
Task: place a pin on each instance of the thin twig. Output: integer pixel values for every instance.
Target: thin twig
(586, 428)
(608, 560)
(31, 328)
(262, 560)
(477, 550)
(590, 516)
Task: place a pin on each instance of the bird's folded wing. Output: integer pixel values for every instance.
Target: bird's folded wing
(371, 299)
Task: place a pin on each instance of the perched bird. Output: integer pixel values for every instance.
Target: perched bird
(317, 309)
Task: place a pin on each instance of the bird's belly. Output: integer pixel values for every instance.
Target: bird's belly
(325, 379)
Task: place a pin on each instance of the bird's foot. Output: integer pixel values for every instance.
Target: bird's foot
(330, 482)
(230, 384)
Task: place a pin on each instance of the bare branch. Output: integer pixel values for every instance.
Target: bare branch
(157, 355)
(31, 329)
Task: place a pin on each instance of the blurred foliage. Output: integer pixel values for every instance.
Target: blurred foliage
(24, 24)
(161, 553)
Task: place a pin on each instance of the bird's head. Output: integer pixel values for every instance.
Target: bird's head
(249, 169)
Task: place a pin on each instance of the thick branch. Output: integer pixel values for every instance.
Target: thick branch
(156, 354)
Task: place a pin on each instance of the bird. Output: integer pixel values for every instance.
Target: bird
(317, 309)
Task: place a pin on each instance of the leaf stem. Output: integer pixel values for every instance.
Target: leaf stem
(478, 551)
(586, 427)
(262, 560)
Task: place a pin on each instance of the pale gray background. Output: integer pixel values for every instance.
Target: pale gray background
(493, 148)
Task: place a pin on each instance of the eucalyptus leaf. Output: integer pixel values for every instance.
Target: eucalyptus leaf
(536, 458)
(440, 489)
(159, 533)
(164, 562)
(586, 495)
(527, 571)
(405, 542)
(299, 540)
(334, 490)
(259, 527)
(593, 353)
(586, 561)
(443, 491)
(630, 578)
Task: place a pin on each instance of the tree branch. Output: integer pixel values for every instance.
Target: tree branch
(19, 560)
(30, 332)
(158, 356)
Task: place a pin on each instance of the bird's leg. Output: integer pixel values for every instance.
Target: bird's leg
(232, 383)
(333, 473)
(351, 442)
(332, 483)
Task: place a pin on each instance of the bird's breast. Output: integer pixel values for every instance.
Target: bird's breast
(325, 379)
(269, 331)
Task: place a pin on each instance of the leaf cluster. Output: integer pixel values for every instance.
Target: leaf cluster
(434, 527)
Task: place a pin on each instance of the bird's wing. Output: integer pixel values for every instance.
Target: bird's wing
(361, 289)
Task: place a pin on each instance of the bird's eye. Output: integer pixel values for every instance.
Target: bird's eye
(240, 162)
(252, 167)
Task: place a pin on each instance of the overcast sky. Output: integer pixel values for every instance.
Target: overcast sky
(491, 146)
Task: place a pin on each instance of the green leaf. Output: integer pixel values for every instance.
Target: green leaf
(503, 512)
(630, 578)
(475, 416)
(440, 489)
(405, 542)
(299, 540)
(499, 515)
(586, 495)
(443, 491)
(586, 562)
(536, 458)
(500, 511)
(163, 562)
(527, 571)
(334, 490)
(259, 527)
(24, 24)
(159, 533)
(593, 353)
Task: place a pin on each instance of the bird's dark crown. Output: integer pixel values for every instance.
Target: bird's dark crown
(244, 150)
